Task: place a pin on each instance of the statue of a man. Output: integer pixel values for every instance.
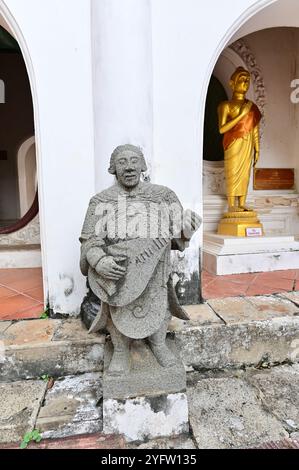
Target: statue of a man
(239, 123)
(127, 237)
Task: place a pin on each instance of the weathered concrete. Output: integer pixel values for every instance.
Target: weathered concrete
(292, 296)
(54, 359)
(72, 330)
(227, 413)
(49, 347)
(260, 308)
(200, 315)
(218, 347)
(72, 407)
(30, 332)
(279, 393)
(180, 442)
(143, 418)
(19, 406)
(4, 325)
(30, 349)
(146, 377)
(236, 310)
(273, 307)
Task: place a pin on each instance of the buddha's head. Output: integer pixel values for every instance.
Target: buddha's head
(240, 81)
(127, 163)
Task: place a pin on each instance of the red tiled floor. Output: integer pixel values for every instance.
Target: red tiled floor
(36, 294)
(257, 289)
(6, 292)
(249, 284)
(15, 304)
(276, 282)
(33, 312)
(218, 289)
(21, 294)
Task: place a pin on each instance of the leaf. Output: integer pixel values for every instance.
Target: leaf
(27, 438)
(23, 445)
(38, 439)
(35, 435)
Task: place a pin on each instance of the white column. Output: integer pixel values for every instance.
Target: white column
(59, 68)
(122, 56)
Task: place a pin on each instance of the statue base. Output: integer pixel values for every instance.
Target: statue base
(147, 402)
(236, 223)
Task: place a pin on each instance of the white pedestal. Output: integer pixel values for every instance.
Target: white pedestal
(231, 255)
(149, 417)
(147, 402)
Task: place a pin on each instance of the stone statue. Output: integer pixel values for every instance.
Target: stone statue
(126, 242)
(239, 122)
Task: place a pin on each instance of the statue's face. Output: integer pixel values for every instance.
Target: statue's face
(128, 169)
(242, 83)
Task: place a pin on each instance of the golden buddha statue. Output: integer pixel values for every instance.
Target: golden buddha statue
(239, 121)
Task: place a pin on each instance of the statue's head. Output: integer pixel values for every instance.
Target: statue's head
(127, 163)
(240, 80)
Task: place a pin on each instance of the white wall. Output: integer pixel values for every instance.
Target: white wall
(188, 37)
(122, 61)
(151, 92)
(276, 52)
(55, 39)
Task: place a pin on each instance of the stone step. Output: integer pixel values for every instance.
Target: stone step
(223, 333)
(227, 409)
(31, 349)
(243, 332)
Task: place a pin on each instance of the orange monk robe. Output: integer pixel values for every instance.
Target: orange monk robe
(239, 145)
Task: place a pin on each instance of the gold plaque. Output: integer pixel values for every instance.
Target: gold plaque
(274, 178)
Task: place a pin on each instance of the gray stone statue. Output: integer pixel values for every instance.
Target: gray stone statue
(126, 242)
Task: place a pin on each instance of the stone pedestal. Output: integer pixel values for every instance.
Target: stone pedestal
(236, 255)
(149, 401)
(236, 223)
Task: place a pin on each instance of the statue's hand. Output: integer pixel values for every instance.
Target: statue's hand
(246, 108)
(108, 268)
(192, 222)
(256, 158)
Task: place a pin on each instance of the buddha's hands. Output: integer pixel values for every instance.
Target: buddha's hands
(256, 157)
(246, 108)
(109, 268)
(192, 222)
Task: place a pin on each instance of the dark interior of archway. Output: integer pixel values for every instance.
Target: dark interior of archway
(17, 124)
(213, 148)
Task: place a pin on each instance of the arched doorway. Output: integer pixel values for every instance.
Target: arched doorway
(266, 45)
(21, 283)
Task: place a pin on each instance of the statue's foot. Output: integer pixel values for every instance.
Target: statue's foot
(163, 355)
(235, 209)
(120, 363)
(246, 209)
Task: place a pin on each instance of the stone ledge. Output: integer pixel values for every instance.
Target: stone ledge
(237, 345)
(244, 336)
(49, 347)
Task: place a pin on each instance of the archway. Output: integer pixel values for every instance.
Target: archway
(27, 175)
(20, 244)
(265, 42)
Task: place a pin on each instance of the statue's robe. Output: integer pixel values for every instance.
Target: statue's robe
(238, 145)
(139, 228)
